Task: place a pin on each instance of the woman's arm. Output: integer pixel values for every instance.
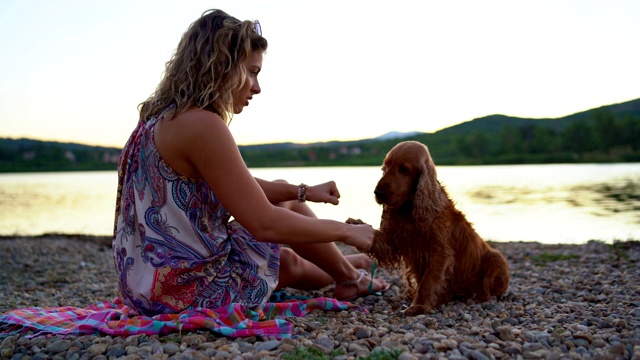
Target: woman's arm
(279, 191)
(198, 144)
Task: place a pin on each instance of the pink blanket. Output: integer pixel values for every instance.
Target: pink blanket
(114, 318)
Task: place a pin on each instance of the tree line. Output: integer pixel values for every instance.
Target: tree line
(27, 155)
(603, 138)
(607, 134)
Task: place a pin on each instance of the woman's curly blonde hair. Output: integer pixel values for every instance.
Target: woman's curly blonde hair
(206, 68)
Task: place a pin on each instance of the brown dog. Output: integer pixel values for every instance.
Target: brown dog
(442, 256)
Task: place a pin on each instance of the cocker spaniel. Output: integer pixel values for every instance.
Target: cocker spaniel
(442, 257)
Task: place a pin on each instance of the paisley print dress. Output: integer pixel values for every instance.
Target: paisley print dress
(174, 245)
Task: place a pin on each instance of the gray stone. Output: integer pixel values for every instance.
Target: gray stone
(59, 346)
(267, 345)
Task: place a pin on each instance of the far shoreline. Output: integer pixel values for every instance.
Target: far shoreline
(97, 239)
(106, 239)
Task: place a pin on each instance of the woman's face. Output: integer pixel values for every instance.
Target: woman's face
(252, 66)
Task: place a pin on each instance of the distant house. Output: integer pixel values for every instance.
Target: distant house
(29, 155)
(110, 157)
(69, 155)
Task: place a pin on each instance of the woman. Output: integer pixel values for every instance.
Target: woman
(181, 178)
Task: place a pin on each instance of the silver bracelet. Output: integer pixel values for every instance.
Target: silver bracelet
(302, 193)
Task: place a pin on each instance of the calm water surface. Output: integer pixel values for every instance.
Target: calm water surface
(547, 203)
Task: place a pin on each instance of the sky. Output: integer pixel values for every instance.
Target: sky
(76, 70)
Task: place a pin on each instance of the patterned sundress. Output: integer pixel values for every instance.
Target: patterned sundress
(174, 247)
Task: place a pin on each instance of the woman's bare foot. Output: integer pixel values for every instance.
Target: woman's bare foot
(360, 261)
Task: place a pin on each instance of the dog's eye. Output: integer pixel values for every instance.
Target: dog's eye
(402, 169)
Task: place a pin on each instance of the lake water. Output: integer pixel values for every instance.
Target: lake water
(559, 203)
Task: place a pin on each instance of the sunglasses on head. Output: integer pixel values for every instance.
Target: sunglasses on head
(257, 27)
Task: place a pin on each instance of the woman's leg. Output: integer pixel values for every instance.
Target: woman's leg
(313, 266)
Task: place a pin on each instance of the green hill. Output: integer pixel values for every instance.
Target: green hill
(605, 134)
(27, 155)
(495, 123)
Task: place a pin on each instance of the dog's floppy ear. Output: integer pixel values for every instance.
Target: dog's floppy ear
(428, 200)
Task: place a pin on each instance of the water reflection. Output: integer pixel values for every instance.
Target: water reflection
(601, 199)
(616, 198)
(558, 203)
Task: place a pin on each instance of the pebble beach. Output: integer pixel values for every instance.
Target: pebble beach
(564, 302)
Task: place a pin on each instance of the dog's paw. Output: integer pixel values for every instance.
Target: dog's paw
(481, 297)
(354, 221)
(414, 310)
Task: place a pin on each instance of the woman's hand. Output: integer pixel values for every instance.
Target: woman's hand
(326, 193)
(362, 237)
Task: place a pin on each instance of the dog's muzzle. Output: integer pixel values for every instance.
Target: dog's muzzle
(380, 195)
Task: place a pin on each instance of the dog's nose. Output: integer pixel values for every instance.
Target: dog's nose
(379, 193)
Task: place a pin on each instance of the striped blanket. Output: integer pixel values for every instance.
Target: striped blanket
(114, 318)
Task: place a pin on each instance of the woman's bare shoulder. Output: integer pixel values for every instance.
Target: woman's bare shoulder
(191, 125)
(196, 117)
(191, 135)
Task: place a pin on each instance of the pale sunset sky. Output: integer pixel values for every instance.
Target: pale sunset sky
(76, 70)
